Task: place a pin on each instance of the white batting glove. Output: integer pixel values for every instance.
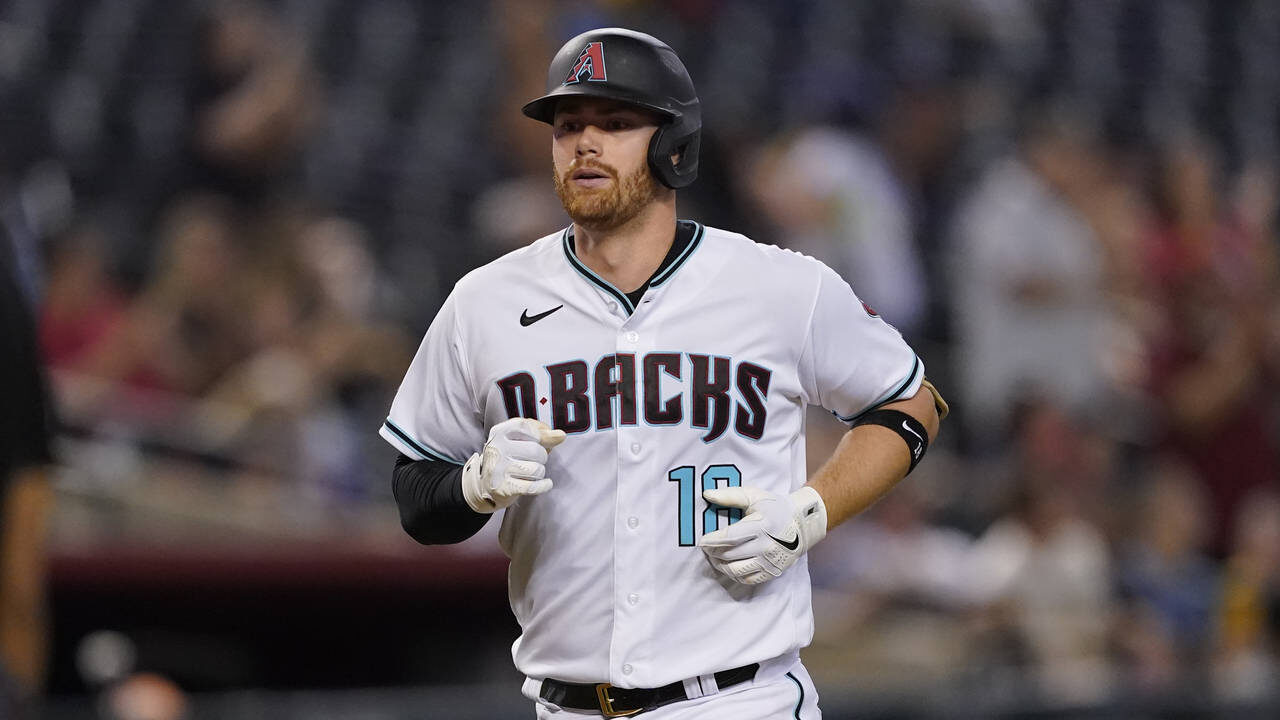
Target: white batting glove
(775, 532)
(513, 463)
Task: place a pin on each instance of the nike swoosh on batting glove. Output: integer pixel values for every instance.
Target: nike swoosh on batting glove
(775, 531)
(512, 464)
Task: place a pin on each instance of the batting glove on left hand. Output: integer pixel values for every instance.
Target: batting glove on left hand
(775, 532)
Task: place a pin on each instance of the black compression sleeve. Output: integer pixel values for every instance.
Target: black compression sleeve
(432, 509)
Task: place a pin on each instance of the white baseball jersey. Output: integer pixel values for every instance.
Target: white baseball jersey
(703, 383)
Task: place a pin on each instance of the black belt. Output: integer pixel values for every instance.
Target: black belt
(619, 702)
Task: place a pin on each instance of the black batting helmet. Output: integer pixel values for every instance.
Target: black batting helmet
(640, 70)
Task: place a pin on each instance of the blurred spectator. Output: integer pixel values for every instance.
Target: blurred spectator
(1045, 571)
(26, 498)
(834, 195)
(1167, 584)
(1247, 661)
(318, 363)
(515, 211)
(83, 306)
(1050, 446)
(1042, 571)
(887, 590)
(252, 101)
(187, 325)
(856, 199)
(1027, 276)
(897, 551)
(1212, 353)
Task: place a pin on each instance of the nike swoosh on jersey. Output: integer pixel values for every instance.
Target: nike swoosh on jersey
(795, 542)
(526, 319)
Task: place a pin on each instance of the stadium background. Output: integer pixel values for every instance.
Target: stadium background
(237, 219)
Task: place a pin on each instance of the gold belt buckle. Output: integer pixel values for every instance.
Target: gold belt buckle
(606, 702)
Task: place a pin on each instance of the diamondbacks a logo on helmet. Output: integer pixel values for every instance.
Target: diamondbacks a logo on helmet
(590, 63)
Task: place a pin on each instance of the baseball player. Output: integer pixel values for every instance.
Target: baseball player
(631, 392)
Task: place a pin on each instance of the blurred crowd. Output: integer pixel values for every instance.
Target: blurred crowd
(1068, 208)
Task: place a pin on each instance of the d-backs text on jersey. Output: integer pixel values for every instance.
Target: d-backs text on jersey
(582, 396)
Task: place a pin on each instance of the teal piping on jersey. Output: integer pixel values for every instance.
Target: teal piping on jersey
(665, 274)
(799, 702)
(589, 274)
(894, 394)
(426, 452)
(660, 277)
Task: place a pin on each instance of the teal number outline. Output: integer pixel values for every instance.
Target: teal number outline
(686, 498)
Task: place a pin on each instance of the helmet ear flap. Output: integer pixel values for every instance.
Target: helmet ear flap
(666, 142)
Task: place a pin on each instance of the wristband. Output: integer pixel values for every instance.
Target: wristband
(907, 427)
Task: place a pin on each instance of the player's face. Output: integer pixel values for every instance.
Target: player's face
(599, 148)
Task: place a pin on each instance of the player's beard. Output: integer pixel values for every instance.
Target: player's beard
(608, 207)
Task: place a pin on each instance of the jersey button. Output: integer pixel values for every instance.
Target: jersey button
(632, 336)
(633, 599)
(613, 306)
(635, 448)
(633, 522)
(626, 669)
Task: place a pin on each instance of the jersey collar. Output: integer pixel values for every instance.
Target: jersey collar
(670, 265)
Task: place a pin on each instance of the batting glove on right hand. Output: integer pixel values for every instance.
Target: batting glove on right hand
(511, 464)
(776, 531)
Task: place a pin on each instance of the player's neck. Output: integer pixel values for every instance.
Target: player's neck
(628, 255)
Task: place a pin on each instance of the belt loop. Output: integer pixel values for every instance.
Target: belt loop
(693, 688)
(709, 684)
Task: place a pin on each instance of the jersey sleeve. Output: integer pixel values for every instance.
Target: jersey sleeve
(435, 414)
(853, 361)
